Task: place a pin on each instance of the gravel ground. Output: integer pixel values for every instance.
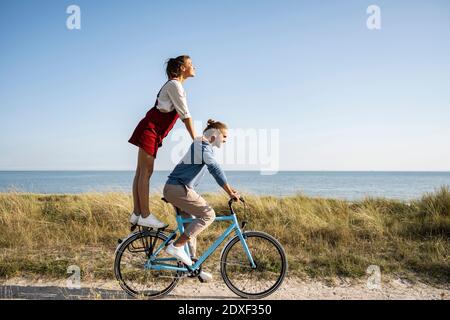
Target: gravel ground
(292, 288)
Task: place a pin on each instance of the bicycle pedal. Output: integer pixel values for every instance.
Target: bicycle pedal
(133, 227)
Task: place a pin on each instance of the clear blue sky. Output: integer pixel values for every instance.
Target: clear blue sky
(342, 96)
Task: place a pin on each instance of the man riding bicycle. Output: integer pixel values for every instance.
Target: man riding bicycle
(179, 191)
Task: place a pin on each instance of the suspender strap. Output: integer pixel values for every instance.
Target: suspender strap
(156, 102)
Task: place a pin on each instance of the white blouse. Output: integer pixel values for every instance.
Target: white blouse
(173, 97)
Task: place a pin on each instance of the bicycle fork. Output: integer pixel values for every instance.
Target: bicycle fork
(244, 244)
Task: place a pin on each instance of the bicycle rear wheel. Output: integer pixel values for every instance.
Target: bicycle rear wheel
(270, 260)
(133, 277)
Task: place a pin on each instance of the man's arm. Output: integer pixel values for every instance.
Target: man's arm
(217, 172)
(231, 192)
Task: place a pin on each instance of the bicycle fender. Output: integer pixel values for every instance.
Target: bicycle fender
(123, 240)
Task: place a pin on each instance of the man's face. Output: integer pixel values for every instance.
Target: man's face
(217, 137)
(220, 137)
(224, 135)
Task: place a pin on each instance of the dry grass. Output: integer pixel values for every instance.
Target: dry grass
(41, 235)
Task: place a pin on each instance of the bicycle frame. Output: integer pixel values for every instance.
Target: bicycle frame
(156, 263)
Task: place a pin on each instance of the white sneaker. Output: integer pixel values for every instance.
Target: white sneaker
(179, 253)
(134, 218)
(205, 276)
(151, 221)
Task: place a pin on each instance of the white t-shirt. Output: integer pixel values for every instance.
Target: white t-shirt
(172, 97)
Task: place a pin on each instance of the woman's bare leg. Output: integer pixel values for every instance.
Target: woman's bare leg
(145, 163)
(136, 205)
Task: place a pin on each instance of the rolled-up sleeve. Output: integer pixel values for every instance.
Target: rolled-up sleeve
(178, 97)
(213, 166)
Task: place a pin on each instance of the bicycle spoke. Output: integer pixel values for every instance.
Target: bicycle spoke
(245, 284)
(239, 264)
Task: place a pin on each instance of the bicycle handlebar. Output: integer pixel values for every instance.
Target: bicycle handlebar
(230, 203)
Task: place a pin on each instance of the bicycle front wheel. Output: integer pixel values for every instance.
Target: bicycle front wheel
(241, 277)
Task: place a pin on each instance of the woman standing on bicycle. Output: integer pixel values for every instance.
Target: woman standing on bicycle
(186, 175)
(170, 105)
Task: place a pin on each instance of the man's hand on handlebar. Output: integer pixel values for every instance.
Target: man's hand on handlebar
(236, 196)
(231, 192)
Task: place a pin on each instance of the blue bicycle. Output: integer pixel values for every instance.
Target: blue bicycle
(253, 264)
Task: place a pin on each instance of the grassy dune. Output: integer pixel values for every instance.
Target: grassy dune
(41, 235)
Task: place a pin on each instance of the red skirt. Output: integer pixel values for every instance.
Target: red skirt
(151, 130)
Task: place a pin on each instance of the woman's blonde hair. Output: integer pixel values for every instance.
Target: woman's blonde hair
(212, 124)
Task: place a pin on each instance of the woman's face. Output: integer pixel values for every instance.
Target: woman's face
(188, 69)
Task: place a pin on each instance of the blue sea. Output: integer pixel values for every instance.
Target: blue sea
(342, 184)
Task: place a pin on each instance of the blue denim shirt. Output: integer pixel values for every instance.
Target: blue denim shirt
(190, 170)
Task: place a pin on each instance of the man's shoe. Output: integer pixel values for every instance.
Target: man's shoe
(205, 276)
(179, 253)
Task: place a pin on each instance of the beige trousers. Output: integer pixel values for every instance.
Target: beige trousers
(191, 205)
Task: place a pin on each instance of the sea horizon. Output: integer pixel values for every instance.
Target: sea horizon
(350, 185)
(132, 170)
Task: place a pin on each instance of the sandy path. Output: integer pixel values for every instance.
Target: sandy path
(192, 289)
